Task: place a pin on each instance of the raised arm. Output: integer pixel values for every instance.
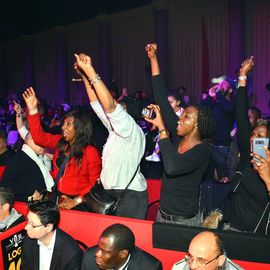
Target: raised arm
(85, 64)
(40, 137)
(151, 50)
(19, 120)
(241, 109)
(159, 90)
(84, 60)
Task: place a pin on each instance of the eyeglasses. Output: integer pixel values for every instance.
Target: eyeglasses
(200, 261)
(34, 226)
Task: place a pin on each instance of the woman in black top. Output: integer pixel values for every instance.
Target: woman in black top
(249, 207)
(185, 155)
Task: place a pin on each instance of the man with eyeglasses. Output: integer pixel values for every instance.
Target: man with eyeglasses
(206, 252)
(46, 247)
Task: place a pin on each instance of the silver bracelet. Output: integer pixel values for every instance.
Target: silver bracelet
(242, 78)
(94, 81)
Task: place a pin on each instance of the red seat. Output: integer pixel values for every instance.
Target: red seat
(152, 210)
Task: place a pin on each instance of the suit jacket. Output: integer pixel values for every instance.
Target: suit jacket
(67, 254)
(139, 260)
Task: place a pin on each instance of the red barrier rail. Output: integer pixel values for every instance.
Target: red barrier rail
(87, 228)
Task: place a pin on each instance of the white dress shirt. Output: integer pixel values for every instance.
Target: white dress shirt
(123, 150)
(45, 253)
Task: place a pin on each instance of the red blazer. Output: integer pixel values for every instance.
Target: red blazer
(76, 179)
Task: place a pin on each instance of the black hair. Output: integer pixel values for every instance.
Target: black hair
(256, 111)
(7, 196)
(219, 243)
(176, 96)
(134, 107)
(3, 134)
(123, 237)
(47, 211)
(206, 122)
(83, 135)
(266, 124)
(182, 88)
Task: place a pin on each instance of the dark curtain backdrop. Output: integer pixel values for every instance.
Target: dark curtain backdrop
(204, 39)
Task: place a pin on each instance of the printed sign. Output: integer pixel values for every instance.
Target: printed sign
(12, 248)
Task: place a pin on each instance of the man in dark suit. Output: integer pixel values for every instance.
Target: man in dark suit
(116, 250)
(46, 247)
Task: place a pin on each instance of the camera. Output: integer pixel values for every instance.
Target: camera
(148, 113)
(258, 147)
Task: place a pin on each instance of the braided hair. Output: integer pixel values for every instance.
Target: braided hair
(206, 122)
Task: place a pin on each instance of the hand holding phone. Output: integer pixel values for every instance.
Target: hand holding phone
(258, 145)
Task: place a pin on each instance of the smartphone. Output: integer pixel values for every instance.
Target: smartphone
(148, 113)
(259, 147)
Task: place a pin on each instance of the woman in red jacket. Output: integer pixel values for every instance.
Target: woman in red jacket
(83, 168)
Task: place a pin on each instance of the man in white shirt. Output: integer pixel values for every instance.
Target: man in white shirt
(47, 247)
(125, 145)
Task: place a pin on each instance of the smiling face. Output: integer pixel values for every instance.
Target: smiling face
(187, 121)
(107, 257)
(69, 131)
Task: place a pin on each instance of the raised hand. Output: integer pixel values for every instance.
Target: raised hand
(213, 90)
(246, 66)
(30, 99)
(151, 50)
(17, 107)
(83, 62)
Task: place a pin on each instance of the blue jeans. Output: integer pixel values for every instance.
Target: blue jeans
(220, 154)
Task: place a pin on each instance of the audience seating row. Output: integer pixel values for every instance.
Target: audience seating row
(87, 227)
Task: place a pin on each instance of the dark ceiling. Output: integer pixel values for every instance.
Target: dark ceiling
(25, 17)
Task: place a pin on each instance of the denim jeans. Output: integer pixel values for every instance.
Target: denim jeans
(220, 154)
(195, 221)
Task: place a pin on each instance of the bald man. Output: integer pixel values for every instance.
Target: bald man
(206, 252)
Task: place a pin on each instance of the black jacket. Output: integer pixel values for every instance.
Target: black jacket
(139, 260)
(67, 254)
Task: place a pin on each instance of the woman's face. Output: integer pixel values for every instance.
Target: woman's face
(69, 132)
(258, 132)
(174, 103)
(187, 121)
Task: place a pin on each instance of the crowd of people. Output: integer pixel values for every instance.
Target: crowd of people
(54, 157)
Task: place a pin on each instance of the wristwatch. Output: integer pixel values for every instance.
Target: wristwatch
(78, 199)
(165, 131)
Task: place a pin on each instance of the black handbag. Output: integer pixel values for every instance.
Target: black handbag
(99, 201)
